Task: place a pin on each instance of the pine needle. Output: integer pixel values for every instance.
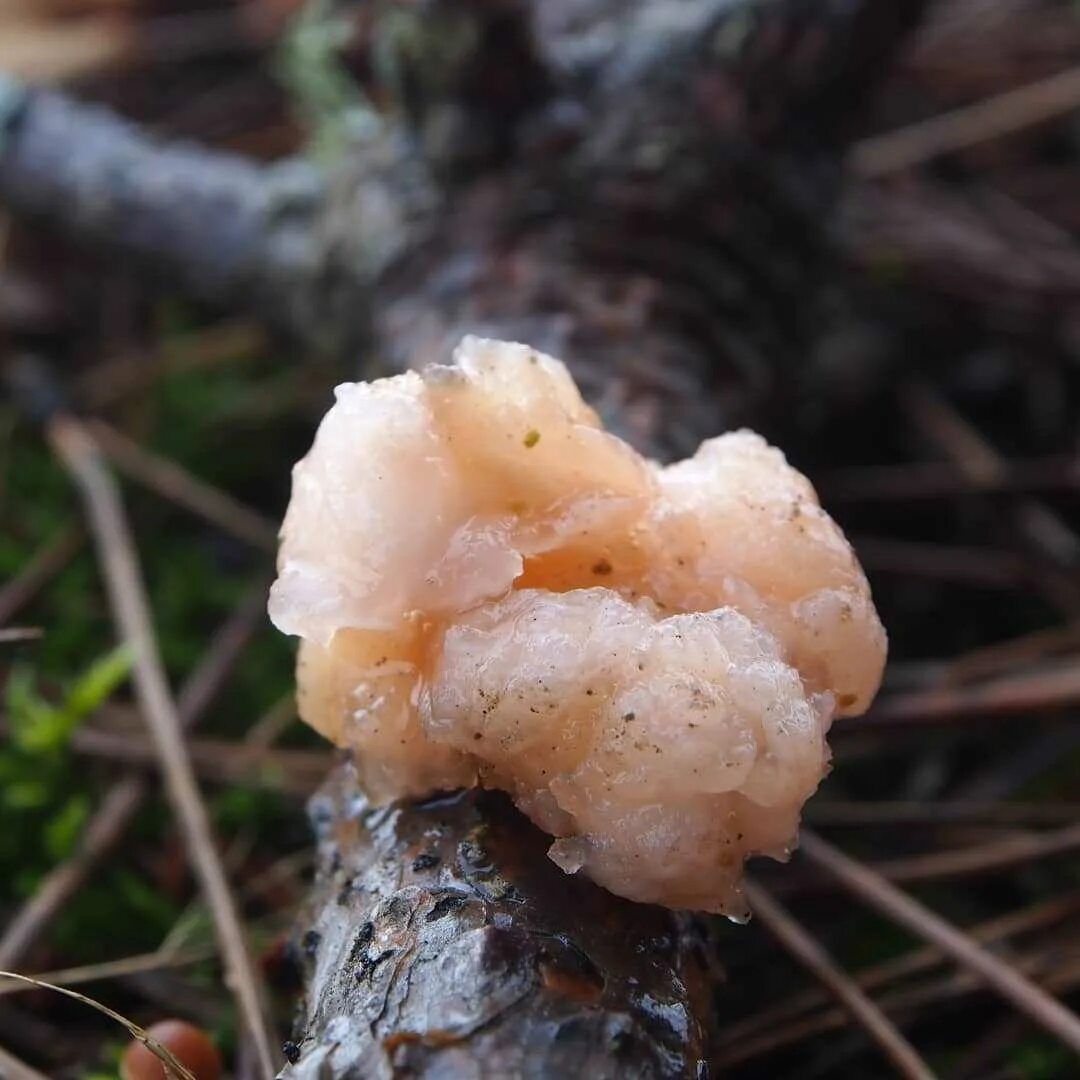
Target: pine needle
(173, 1067)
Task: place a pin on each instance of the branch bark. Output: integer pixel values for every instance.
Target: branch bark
(443, 942)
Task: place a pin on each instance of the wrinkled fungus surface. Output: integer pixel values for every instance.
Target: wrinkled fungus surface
(491, 589)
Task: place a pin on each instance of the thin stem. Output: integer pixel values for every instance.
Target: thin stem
(46, 563)
(116, 812)
(925, 958)
(982, 858)
(100, 835)
(111, 969)
(80, 455)
(179, 486)
(871, 887)
(1013, 695)
(968, 126)
(287, 770)
(808, 952)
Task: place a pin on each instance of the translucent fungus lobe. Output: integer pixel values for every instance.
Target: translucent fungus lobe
(491, 589)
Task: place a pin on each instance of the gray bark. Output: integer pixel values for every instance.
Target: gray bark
(443, 943)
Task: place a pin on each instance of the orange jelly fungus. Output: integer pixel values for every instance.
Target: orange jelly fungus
(490, 588)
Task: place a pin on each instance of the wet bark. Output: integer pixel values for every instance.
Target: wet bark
(443, 943)
(642, 187)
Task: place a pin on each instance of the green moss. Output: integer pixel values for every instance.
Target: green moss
(195, 577)
(1042, 1058)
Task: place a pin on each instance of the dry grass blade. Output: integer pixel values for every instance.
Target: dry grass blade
(1024, 921)
(1019, 695)
(284, 871)
(80, 455)
(907, 1002)
(817, 961)
(174, 483)
(982, 858)
(111, 969)
(118, 809)
(1043, 527)
(285, 770)
(988, 661)
(1000, 115)
(11, 1068)
(222, 653)
(163, 1054)
(951, 864)
(269, 727)
(101, 833)
(39, 571)
(128, 372)
(871, 887)
(939, 423)
(933, 813)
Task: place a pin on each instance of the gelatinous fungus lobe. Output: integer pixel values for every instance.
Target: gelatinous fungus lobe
(489, 588)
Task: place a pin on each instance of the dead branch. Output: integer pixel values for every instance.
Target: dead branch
(228, 229)
(442, 936)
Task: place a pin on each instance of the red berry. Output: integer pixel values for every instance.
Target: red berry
(190, 1045)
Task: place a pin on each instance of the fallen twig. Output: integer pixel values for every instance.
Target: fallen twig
(297, 771)
(179, 486)
(116, 812)
(40, 570)
(1000, 115)
(111, 969)
(168, 1060)
(942, 812)
(817, 961)
(80, 455)
(1054, 687)
(905, 1002)
(1014, 923)
(871, 887)
(982, 858)
(940, 423)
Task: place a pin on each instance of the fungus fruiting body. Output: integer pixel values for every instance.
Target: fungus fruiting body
(489, 588)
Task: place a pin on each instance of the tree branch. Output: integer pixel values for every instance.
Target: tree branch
(443, 938)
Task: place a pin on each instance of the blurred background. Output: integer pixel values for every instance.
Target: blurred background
(866, 246)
